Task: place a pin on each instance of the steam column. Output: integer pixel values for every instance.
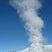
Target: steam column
(34, 26)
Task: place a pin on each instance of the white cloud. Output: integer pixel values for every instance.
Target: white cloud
(47, 48)
(24, 50)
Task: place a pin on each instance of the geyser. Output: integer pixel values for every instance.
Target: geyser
(28, 10)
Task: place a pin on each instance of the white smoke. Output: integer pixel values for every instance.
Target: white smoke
(28, 10)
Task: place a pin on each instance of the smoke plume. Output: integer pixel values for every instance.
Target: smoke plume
(28, 10)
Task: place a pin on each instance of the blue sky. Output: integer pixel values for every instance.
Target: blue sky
(12, 32)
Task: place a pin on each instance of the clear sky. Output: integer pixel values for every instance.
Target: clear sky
(12, 32)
